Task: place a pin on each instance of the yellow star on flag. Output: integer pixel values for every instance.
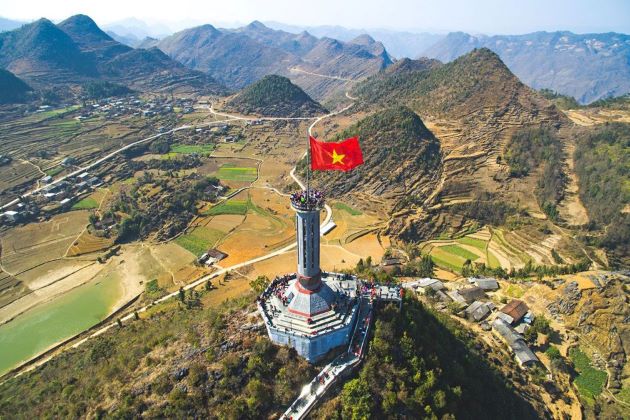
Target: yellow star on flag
(337, 158)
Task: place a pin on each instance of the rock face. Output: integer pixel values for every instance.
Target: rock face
(275, 96)
(585, 66)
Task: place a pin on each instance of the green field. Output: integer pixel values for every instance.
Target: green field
(590, 381)
(199, 240)
(54, 171)
(477, 243)
(460, 252)
(447, 260)
(228, 207)
(186, 149)
(230, 172)
(347, 209)
(85, 204)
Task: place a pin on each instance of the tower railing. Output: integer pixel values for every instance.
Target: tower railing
(306, 200)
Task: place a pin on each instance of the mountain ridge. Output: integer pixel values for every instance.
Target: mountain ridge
(77, 51)
(585, 66)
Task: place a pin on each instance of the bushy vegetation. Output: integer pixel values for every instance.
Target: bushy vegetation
(561, 101)
(12, 89)
(168, 212)
(602, 163)
(590, 381)
(183, 362)
(531, 148)
(422, 364)
(485, 209)
(530, 269)
(617, 102)
(276, 96)
(102, 89)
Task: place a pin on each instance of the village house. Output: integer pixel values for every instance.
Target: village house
(479, 310)
(212, 256)
(523, 354)
(514, 311)
(470, 294)
(484, 283)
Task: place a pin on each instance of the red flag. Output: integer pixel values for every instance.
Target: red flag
(341, 156)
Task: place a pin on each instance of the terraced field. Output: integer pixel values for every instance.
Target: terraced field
(88, 243)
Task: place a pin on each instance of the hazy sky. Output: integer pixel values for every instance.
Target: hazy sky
(479, 16)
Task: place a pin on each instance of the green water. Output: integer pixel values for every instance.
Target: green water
(34, 331)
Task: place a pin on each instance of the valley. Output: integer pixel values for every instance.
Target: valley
(142, 206)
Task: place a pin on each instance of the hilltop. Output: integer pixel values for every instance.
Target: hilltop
(12, 89)
(275, 96)
(400, 155)
(585, 66)
(187, 360)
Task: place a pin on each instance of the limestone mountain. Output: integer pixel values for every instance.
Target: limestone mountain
(275, 96)
(42, 53)
(77, 51)
(91, 39)
(295, 44)
(241, 56)
(232, 58)
(12, 89)
(408, 65)
(585, 66)
(475, 107)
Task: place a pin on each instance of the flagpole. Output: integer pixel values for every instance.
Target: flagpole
(308, 170)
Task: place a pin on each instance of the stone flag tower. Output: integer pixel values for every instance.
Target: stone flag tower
(307, 227)
(311, 311)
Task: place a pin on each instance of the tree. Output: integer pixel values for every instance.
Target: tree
(259, 284)
(356, 400)
(467, 269)
(541, 324)
(368, 261)
(427, 266)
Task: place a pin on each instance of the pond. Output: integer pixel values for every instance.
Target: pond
(39, 328)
